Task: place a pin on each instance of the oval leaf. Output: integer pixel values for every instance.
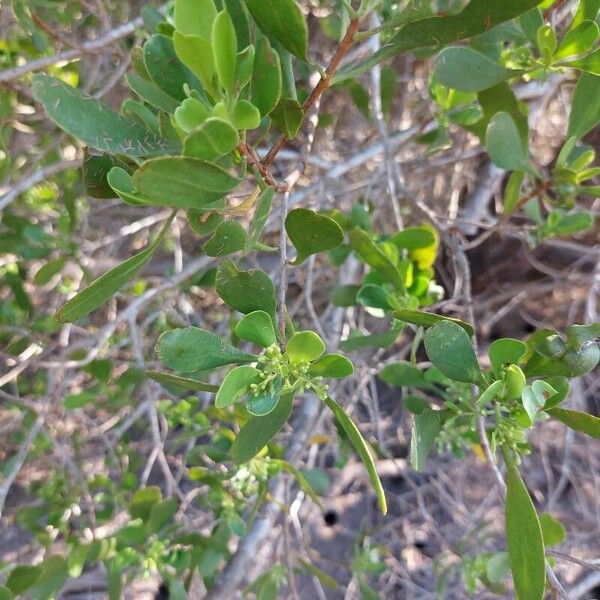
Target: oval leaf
(246, 291)
(235, 385)
(259, 431)
(579, 421)
(304, 346)
(228, 238)
(426, 426)
(182, 182)
(94, 123)
(465, 69)
(165, 68)
(224, 45)
(336, 366)
(256, 327)
(287, 117)
(266, 77)
(504, 144)
(284, 21)
(449, 349)
(195, 17)
(311, 233)
(212, 139)
(265, 402)
(426, 319)
(193, 349)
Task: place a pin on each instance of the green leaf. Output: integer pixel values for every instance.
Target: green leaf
(368, 252)
(534, 397)
(524, 537)
(5, 593)
(224, 44)
(345, 295)
(94, 123)
(266, 77)
(22, 577)
(505, 351)
(190, 114)
(465, 69)
(311, 233)
(54, 572)
(132, 534)
(257, 327)
(426, 426)
(498, 567)
(304, 346)
(287, 117)
(195, 17)
(577, 40)
(182, 382)
(336, 366)
(259, 431)
(261, 214)
(546, 43)
(161, 514)
(265, 402)
(122, 184)
(236, 385)
(585, 109)
(151, 93)
(449, 349)
(192, 349)
(210, 140)
(373, 296)
(374, 340)
(143, 500)
(49, 270)
(165, 68)
(426, 319)
(512, 192)
(196, 53)
(361, 447)
(413, 238)
(107, 285)
(284, 21)
(228, 238)
(246, 115)
(439, 31)
(579, 421)
(491, 392)
(95, 170)
(182, 182)
(589, 63)
(553, 531)
(404, 374)
(504, 144)
(246, 291)
(302, 480)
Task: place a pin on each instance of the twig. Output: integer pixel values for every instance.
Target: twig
(18, 462)
(594, 566)
(91, 46)
(320, 88)
(35, 177)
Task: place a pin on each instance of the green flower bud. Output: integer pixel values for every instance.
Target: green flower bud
(515, 382)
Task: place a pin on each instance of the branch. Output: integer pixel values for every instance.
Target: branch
(89, 47)
(35, 177)
(18, 462)
(320, 88)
